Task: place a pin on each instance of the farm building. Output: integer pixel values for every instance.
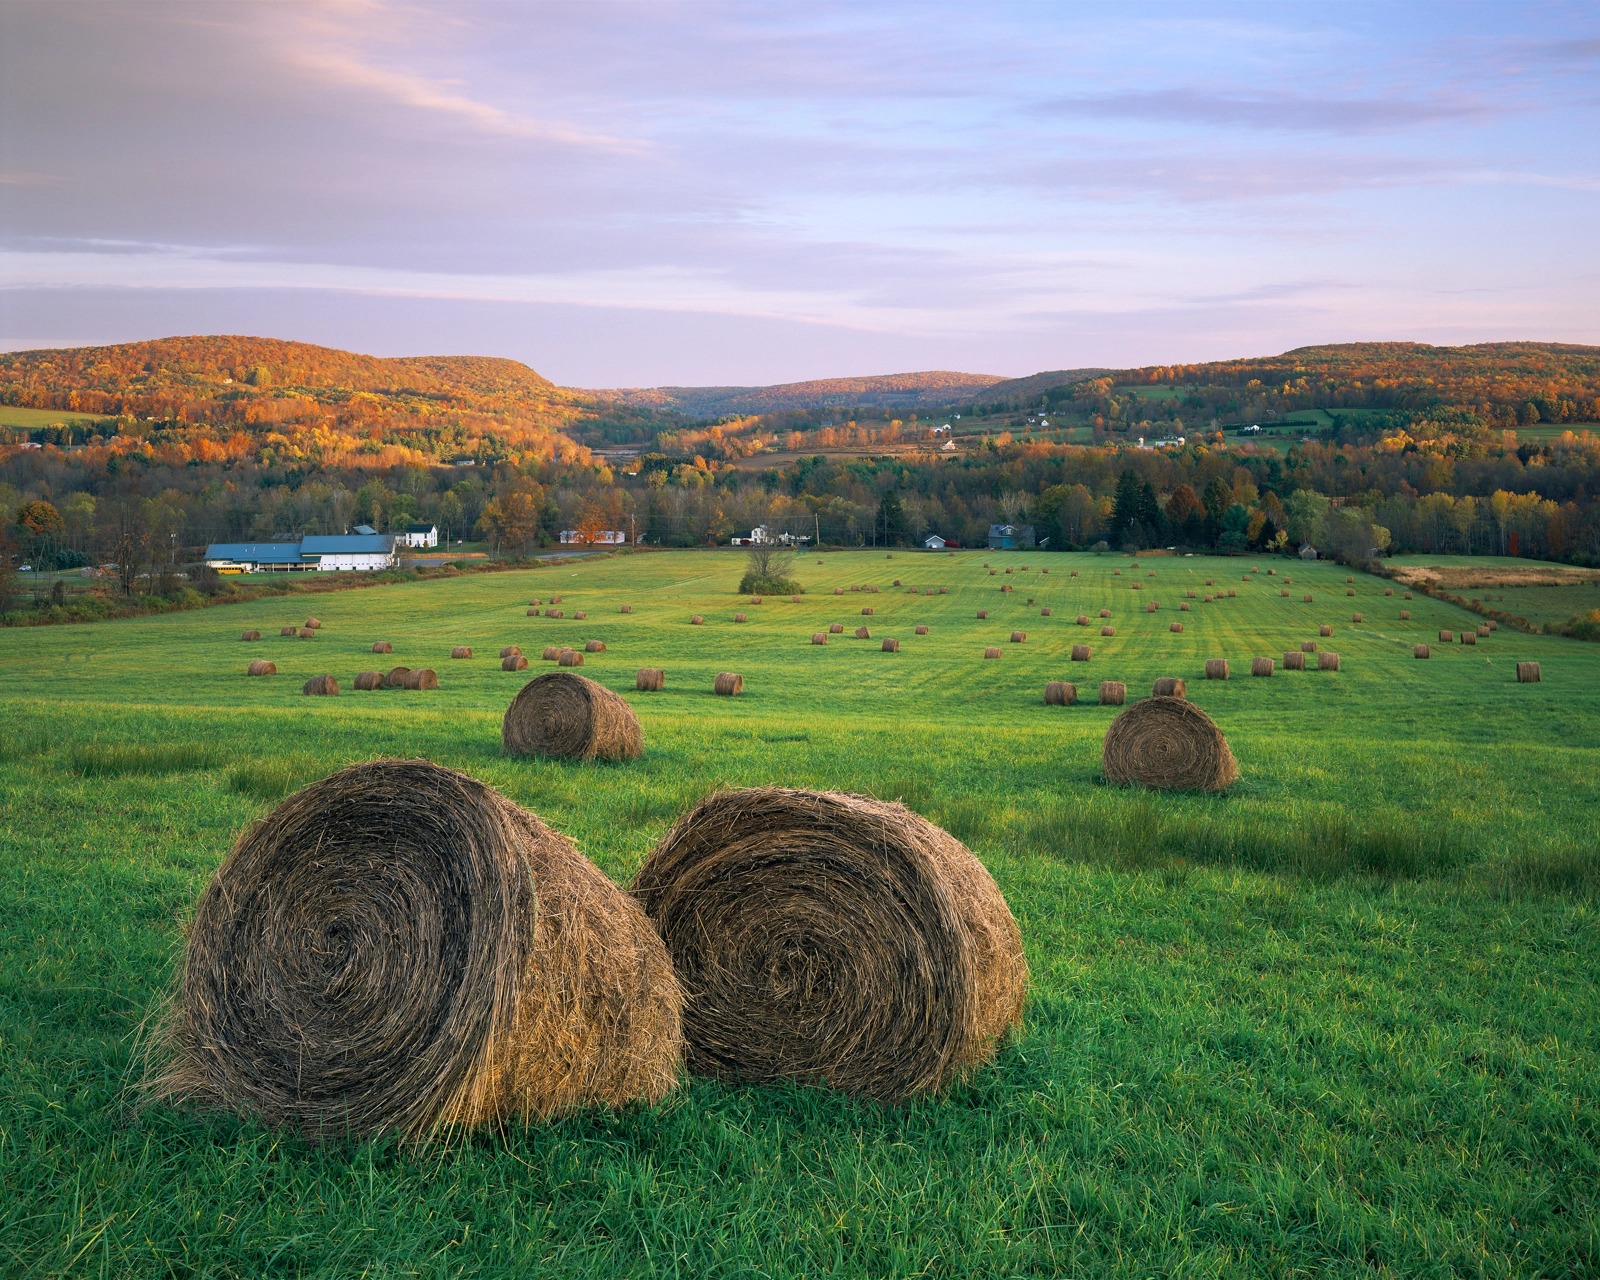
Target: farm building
(1307, 551)
(349, 551)
(418, 535)
(1010, 537)
(933, 542)
(593, 538)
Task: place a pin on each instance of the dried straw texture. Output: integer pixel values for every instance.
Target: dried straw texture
(533, 613)
(1327, 661)
(1216, 668)
(1446, 637)
(1324, 630)
(1151, 607)
(1388, 591)
(836, 629)
(1168, 743)
(314, 623)
(1350, 592)
(1108, 631)
(1105, 613)
(920, 630)
(1113, 693)
(728, 684)
(551, 653)
(422, 678)
(1355, 617)
(1308, 646)
(251, 635)
(867, 612)
(833, 940)
(628, 608)
(650, 680)
(891, 645)
(320, 687)
(1174, 627)
(307, 633)
(261, 668)
(819, 637)
(1262, 666)
(579, 615)
(570, 658)
(1421, 651)
(461, 651)
(367, 681)
(1019, 637)
(511, 650)
(1183, 608)
(382, 646)
(1060, 693)
(1469, 637)
(288, 631)
(863, 633)
(571, 718)
(1083, 619)
(991, 652)
(1082, 653)
(1306, 599)
(1045, 612)
(1294, 660)
(1528, 673)
(697, 621)
(1406, 596)
(396, 679)
(983, 613)
(595, 646)
(739, 617)
(1483, 631)
(513, 662)
(399, 949)
(1169, 687)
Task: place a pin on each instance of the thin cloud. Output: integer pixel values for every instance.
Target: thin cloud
(1280, 111)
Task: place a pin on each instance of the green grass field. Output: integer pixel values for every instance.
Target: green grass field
(14, 416)
(1496, 582)
(1342, 1021)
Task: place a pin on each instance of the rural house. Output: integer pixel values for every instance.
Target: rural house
(933, 542)
(419, 535)
(1010, 537)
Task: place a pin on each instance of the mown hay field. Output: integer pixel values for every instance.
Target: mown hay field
(1341, 1019)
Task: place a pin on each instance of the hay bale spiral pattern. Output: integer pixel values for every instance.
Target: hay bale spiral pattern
(1168, 743)
(570, 717)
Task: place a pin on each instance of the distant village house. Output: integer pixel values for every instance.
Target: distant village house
(419, 535)
(1010, 537)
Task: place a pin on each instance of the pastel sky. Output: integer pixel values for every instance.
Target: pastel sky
(638, 192)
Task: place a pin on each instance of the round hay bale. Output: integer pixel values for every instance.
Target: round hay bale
(991, 652)
(1284, 593)
(891, 645)
(261, 668)
(1189, 595)
(863, 633)
(570, 658)
(367, 681)
(897, 582)
(1270, 572)
(1327, 661)
(1105, 613)
(1355, 617)
(993, 572)
(314, 623)
(1349, 579)
(399, 949)
(1207, 600)
(1528, 673)
(628, 608)
(320, 687)
(1184, 607)
(1045, 612)
(983, 613)
(555, 599)
(1019, 637)
(1005, 589)
(1008, 570)
(728, 684)
(1152, 607)
(1216, 668)
(1137, 586)
(533, 613)
(944, 591)
(1307, 598)
(1405, 615)
(422, 678)
(1388, 591)
(1350, 592)
(1421, 651)
(650, 680)
(396, 679)
(510, 650)
(1483, 631)
(1082, 653)
(1232, 593)
(819, 637)
(569, 717)
(739, 617)
(595, 646)
(794, 599)
(1308, 646)
(461, 651)
(551, 653)
(835, 940)
(838, 591)
(697, 621)
(579, 615)
(1169, 687)
(1325, 630)
(555, 613)
(1108, 631)
(1083, 619)
(306, 633)
(288, 631)
(251, 635)
(836, 628)
(920, 630)
(1492, 625)
(1406, 596)
(867, 612)
(1060, 693)
(513, 662)
(1469, 637)
(536, 601)
(1116, 573)
(1262, 666)
(1168, 743)
(1294, 660)
(1175, 627)
(1113, 693)
(382, 646)
(1446, 637)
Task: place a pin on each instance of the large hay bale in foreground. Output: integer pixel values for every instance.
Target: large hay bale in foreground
(367, 681)
(251, 635)
(1113, 693)
(1327, 661)
(461, 651)
(835, 940)
(261, 668)
(570, 717)
(422, 678)
(320, 687)
(382, 646)
(1168, 743)
(1169, 687)
(396, 678)
(1262, 666)
(650, 680)
(400, 949)
(1216, 668)
(1060, 693)
(728, 684)
(1528, 673)
(513, 662)
(1294, 660)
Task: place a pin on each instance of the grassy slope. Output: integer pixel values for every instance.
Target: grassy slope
(1343, 1020)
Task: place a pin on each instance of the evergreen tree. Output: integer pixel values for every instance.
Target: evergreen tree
(892, 520)
(1125, 506)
